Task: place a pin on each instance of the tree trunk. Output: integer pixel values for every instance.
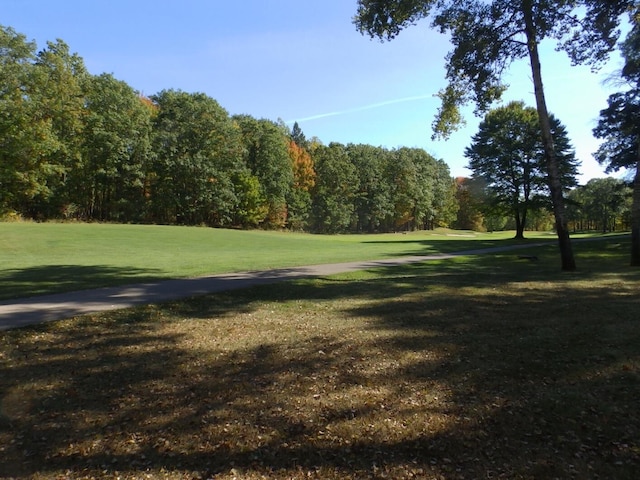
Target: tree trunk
(555, 185)
(635, 216)
(520, 223)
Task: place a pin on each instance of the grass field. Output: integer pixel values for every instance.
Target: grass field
(472, 368)
(38, 258)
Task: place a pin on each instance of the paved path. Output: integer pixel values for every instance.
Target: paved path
(34, 310)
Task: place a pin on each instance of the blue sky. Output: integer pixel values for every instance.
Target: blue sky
(299, 60)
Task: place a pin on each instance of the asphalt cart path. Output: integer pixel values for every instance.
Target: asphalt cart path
(30, 311)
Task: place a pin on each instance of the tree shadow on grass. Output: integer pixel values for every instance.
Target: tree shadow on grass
(46, 279)
(468, 371)
(471, 245)
(433, 245)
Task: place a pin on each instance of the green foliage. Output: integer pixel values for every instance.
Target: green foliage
(374, 202)
(401, 189)
(59, 77)
(27, 137)
(116, 152)
(619, 123)
(603, 204)
(507, 153)
(540, 220)
(422, 190)
(299, 210)
(487, 37)
(266, 155)
(197, 151)
(78, 146)
(334, 191)
(297, 136)
(252, 208)
(304, 178)
(619, 126)
(630, 50)
(445, 207)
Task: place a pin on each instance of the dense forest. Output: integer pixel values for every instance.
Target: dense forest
(78, 146)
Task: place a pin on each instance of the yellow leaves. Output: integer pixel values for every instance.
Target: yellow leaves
(303, 169)
(149, 104)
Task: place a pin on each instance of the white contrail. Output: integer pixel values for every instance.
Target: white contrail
(360, 109)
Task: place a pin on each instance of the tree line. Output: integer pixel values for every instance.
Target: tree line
(601, 205)
(80, 146)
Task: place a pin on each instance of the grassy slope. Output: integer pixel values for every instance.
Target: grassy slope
(477, 367)
(53, 257)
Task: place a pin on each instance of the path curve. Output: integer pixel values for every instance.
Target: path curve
(34, 310)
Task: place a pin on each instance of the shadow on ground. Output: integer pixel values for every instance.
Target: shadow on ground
(476, 370)
(48, 279)
(434, 245)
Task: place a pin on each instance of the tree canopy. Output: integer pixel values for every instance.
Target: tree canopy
(487, 36)
(79, 146)
(507, 153)
(619, 126)
(603, 204)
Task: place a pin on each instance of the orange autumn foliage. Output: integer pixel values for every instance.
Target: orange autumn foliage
(304, 175)
(149, 104)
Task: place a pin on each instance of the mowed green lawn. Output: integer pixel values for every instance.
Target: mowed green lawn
(40, 258)
(476, 367)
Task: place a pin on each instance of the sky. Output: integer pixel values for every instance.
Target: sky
(304, 61)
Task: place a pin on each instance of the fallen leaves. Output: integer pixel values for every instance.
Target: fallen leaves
(388, 386)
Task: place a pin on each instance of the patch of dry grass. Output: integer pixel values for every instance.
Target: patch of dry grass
(469, 368)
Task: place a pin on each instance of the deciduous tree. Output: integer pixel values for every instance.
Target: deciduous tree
(619, 126)
(59, 92)
(41, 120)
(445, 206)
(374, 208)
(469, 196)
(335, 189)
(487, 36)
(507, 152)
(24, 141)
(304, 178)
(251, 208)
(604, 202)
(416, 188)
(197, 151)
(116, 151)
(266, 154)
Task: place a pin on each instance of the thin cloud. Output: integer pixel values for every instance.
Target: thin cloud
(360, 109)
